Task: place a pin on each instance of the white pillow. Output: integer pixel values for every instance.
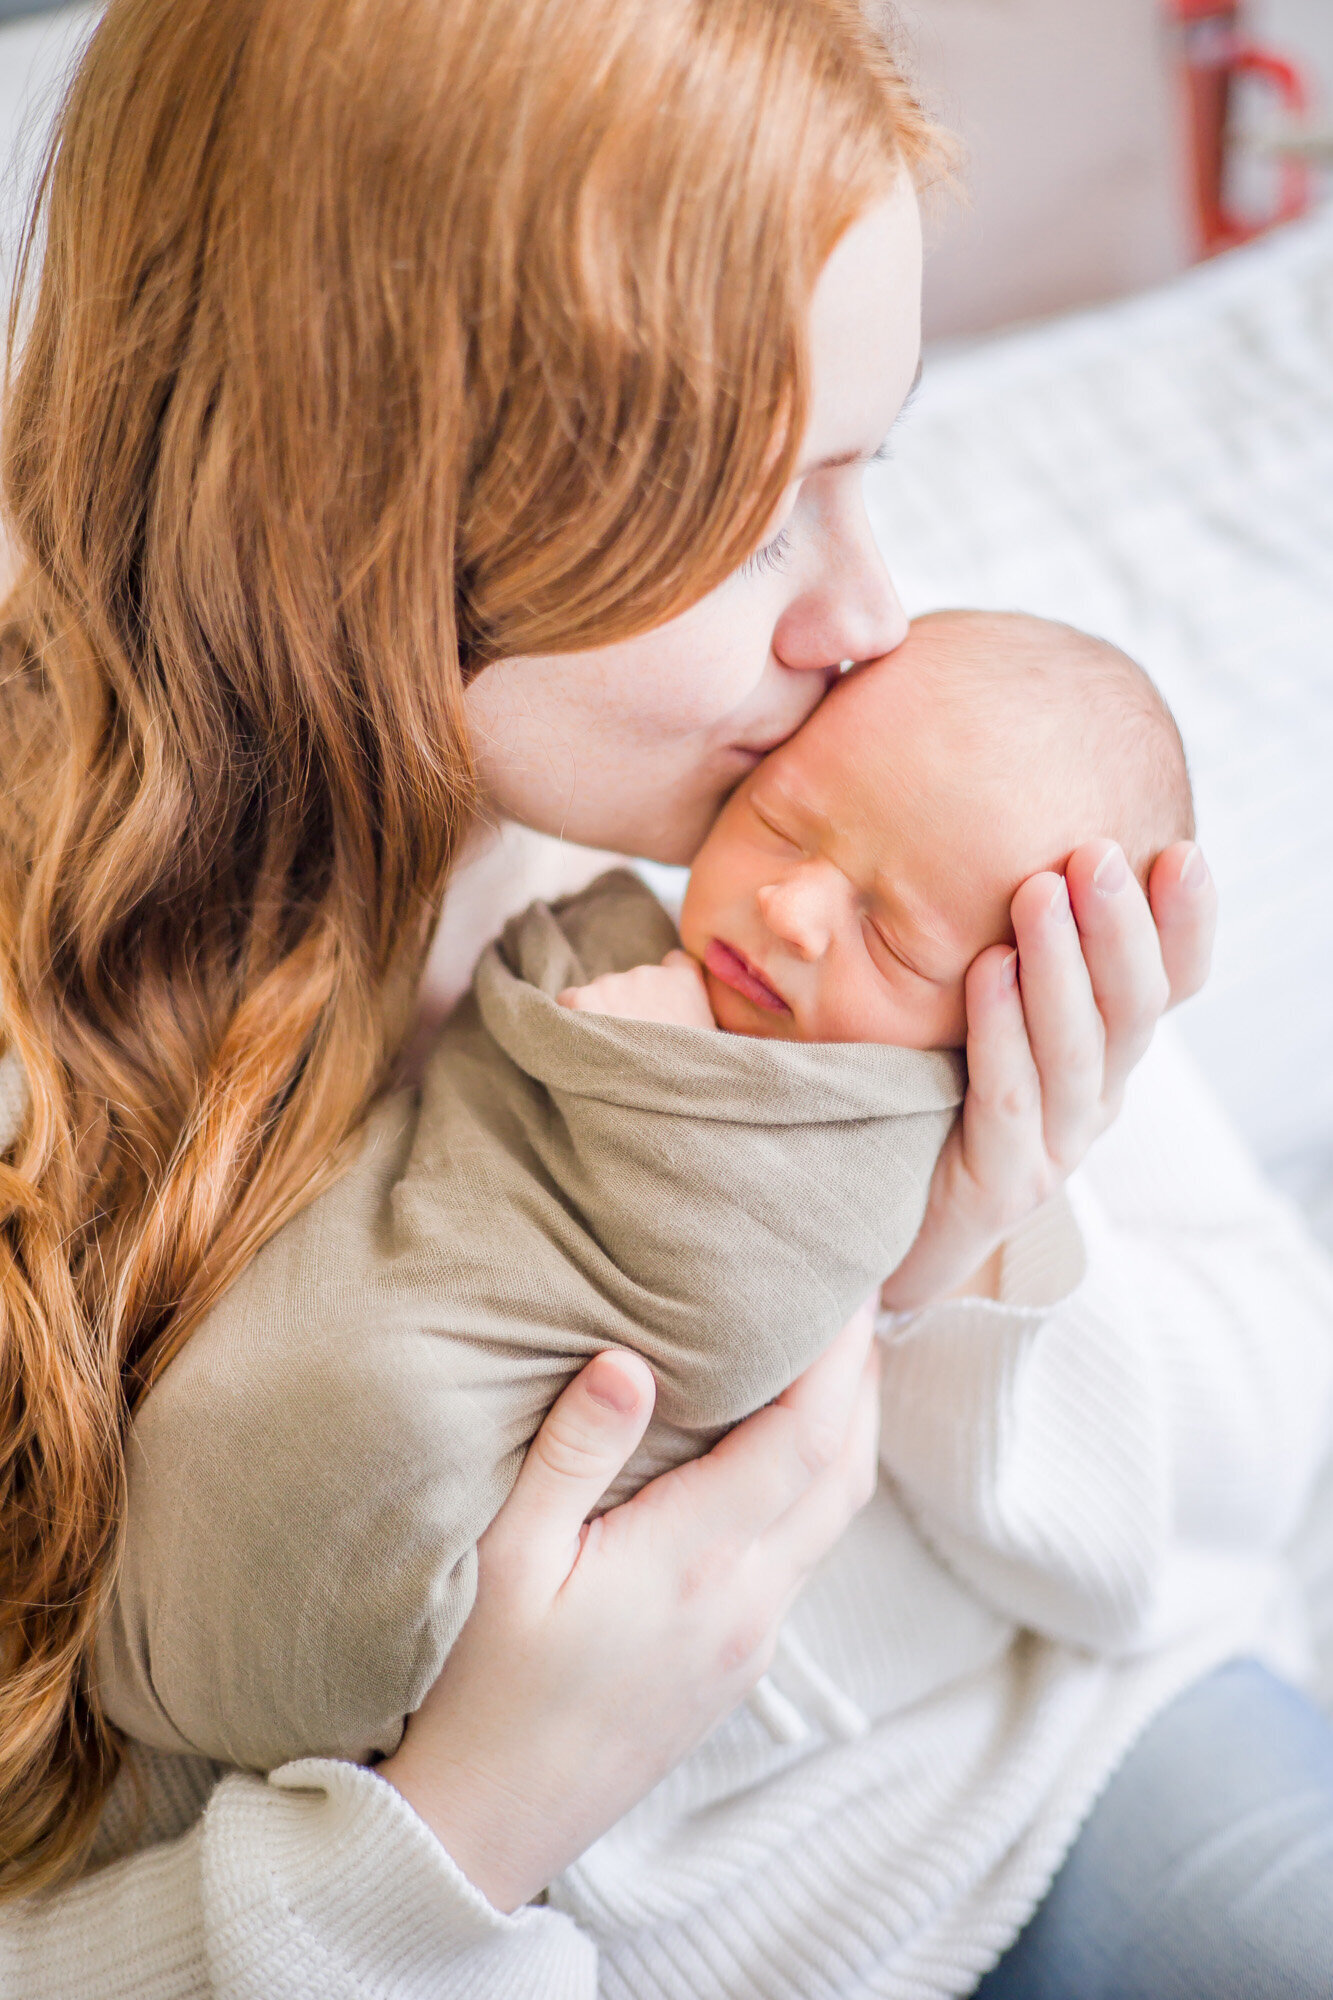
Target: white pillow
(1161, 471)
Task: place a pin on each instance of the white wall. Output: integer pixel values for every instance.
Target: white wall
(1303, 31)
(1071, 114)
(34, 55)
(1068, 113)
(1068, 109)
(1302, 28)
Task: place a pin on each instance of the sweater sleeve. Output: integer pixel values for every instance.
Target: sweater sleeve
(317, 1884)
(1144, 1411)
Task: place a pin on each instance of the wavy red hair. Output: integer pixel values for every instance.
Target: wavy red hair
(362, 344)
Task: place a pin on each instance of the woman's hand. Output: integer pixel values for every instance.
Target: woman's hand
(1053, 1031)
(599, 1653)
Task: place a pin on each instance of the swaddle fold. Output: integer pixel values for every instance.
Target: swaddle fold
(309, 1478)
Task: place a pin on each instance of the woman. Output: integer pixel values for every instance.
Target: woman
(429, 411)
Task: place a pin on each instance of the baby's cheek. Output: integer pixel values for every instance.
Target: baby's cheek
(934, 1017)
(909, 1013)
(690, 935)
(701, 912)
(949, 1030)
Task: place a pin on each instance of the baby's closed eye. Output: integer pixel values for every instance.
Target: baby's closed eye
(672, 992)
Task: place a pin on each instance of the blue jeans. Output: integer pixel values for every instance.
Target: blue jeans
(1205, 1871)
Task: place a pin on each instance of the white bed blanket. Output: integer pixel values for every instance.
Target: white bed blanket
(1161, 471)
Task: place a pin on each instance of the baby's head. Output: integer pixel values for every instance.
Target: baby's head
(851, 880)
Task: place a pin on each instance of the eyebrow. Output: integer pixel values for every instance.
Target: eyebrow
(776, 790)
(865, 457)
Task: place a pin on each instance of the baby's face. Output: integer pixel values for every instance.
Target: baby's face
(851, 880)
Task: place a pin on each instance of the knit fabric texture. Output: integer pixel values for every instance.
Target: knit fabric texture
(309, 1479)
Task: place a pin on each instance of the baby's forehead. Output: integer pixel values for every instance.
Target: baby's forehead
(936, 733)
(919, 705)
(885, 764)
(982, 687)
(1033, 732)
(976, 658)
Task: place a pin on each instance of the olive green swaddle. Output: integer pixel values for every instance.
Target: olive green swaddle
(309, 1478)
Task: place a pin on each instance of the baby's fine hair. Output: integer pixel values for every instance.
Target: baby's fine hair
(1114, 748)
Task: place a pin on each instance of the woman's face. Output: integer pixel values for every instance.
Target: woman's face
(635, 746)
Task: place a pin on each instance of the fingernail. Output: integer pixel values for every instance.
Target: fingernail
(611, 1389)
(1194, 871)
(1009, 970)
(1111, 873)
(1059, 903)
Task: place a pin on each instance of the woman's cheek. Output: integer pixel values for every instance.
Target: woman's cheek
(708, 663)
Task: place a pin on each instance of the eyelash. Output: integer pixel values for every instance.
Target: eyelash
(874, 930)
(769, 827)
(772, 555)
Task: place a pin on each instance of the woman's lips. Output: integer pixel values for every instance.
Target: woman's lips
(735, 970)
(755, 753)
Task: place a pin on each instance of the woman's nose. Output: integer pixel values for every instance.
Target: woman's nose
(849, 610)
(796, 911)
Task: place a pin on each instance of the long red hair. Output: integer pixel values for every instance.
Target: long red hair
(361, 342)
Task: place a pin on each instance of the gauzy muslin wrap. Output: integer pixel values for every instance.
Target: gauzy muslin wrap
(309, 1478)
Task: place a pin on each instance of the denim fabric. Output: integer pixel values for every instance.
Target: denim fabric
(1205, 1871)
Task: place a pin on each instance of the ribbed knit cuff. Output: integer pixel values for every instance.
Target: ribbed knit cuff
(380, 1899)
(1042, 1264)
(1045, 1260)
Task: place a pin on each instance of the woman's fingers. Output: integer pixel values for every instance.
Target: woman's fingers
(994, 1169)
(749, 1480)
(1184, 904)
(1096, 963)
(1001, 1147)
(1100, 963)
(589, 1433)
(810, 1527)
(1095, 988)
(1065, 1030)
(728, 1498)
(826, 1392)
(1123, 954)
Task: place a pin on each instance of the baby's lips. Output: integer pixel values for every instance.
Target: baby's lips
(735, 970)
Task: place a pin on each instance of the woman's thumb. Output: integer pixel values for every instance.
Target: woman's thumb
(589, 1433)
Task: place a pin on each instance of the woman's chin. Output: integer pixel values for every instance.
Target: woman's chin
(675, 846)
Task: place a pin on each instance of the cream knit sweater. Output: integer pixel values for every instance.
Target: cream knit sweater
(1087, 1491)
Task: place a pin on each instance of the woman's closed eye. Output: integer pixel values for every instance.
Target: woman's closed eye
(772, 555)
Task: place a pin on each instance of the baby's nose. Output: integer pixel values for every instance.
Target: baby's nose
(794, 912)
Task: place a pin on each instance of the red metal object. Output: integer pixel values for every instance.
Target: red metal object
(1215, 53)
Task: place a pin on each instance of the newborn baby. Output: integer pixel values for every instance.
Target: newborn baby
(310, 1476)
(849, 883)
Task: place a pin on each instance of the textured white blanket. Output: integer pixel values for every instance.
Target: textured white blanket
(1162, 472)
